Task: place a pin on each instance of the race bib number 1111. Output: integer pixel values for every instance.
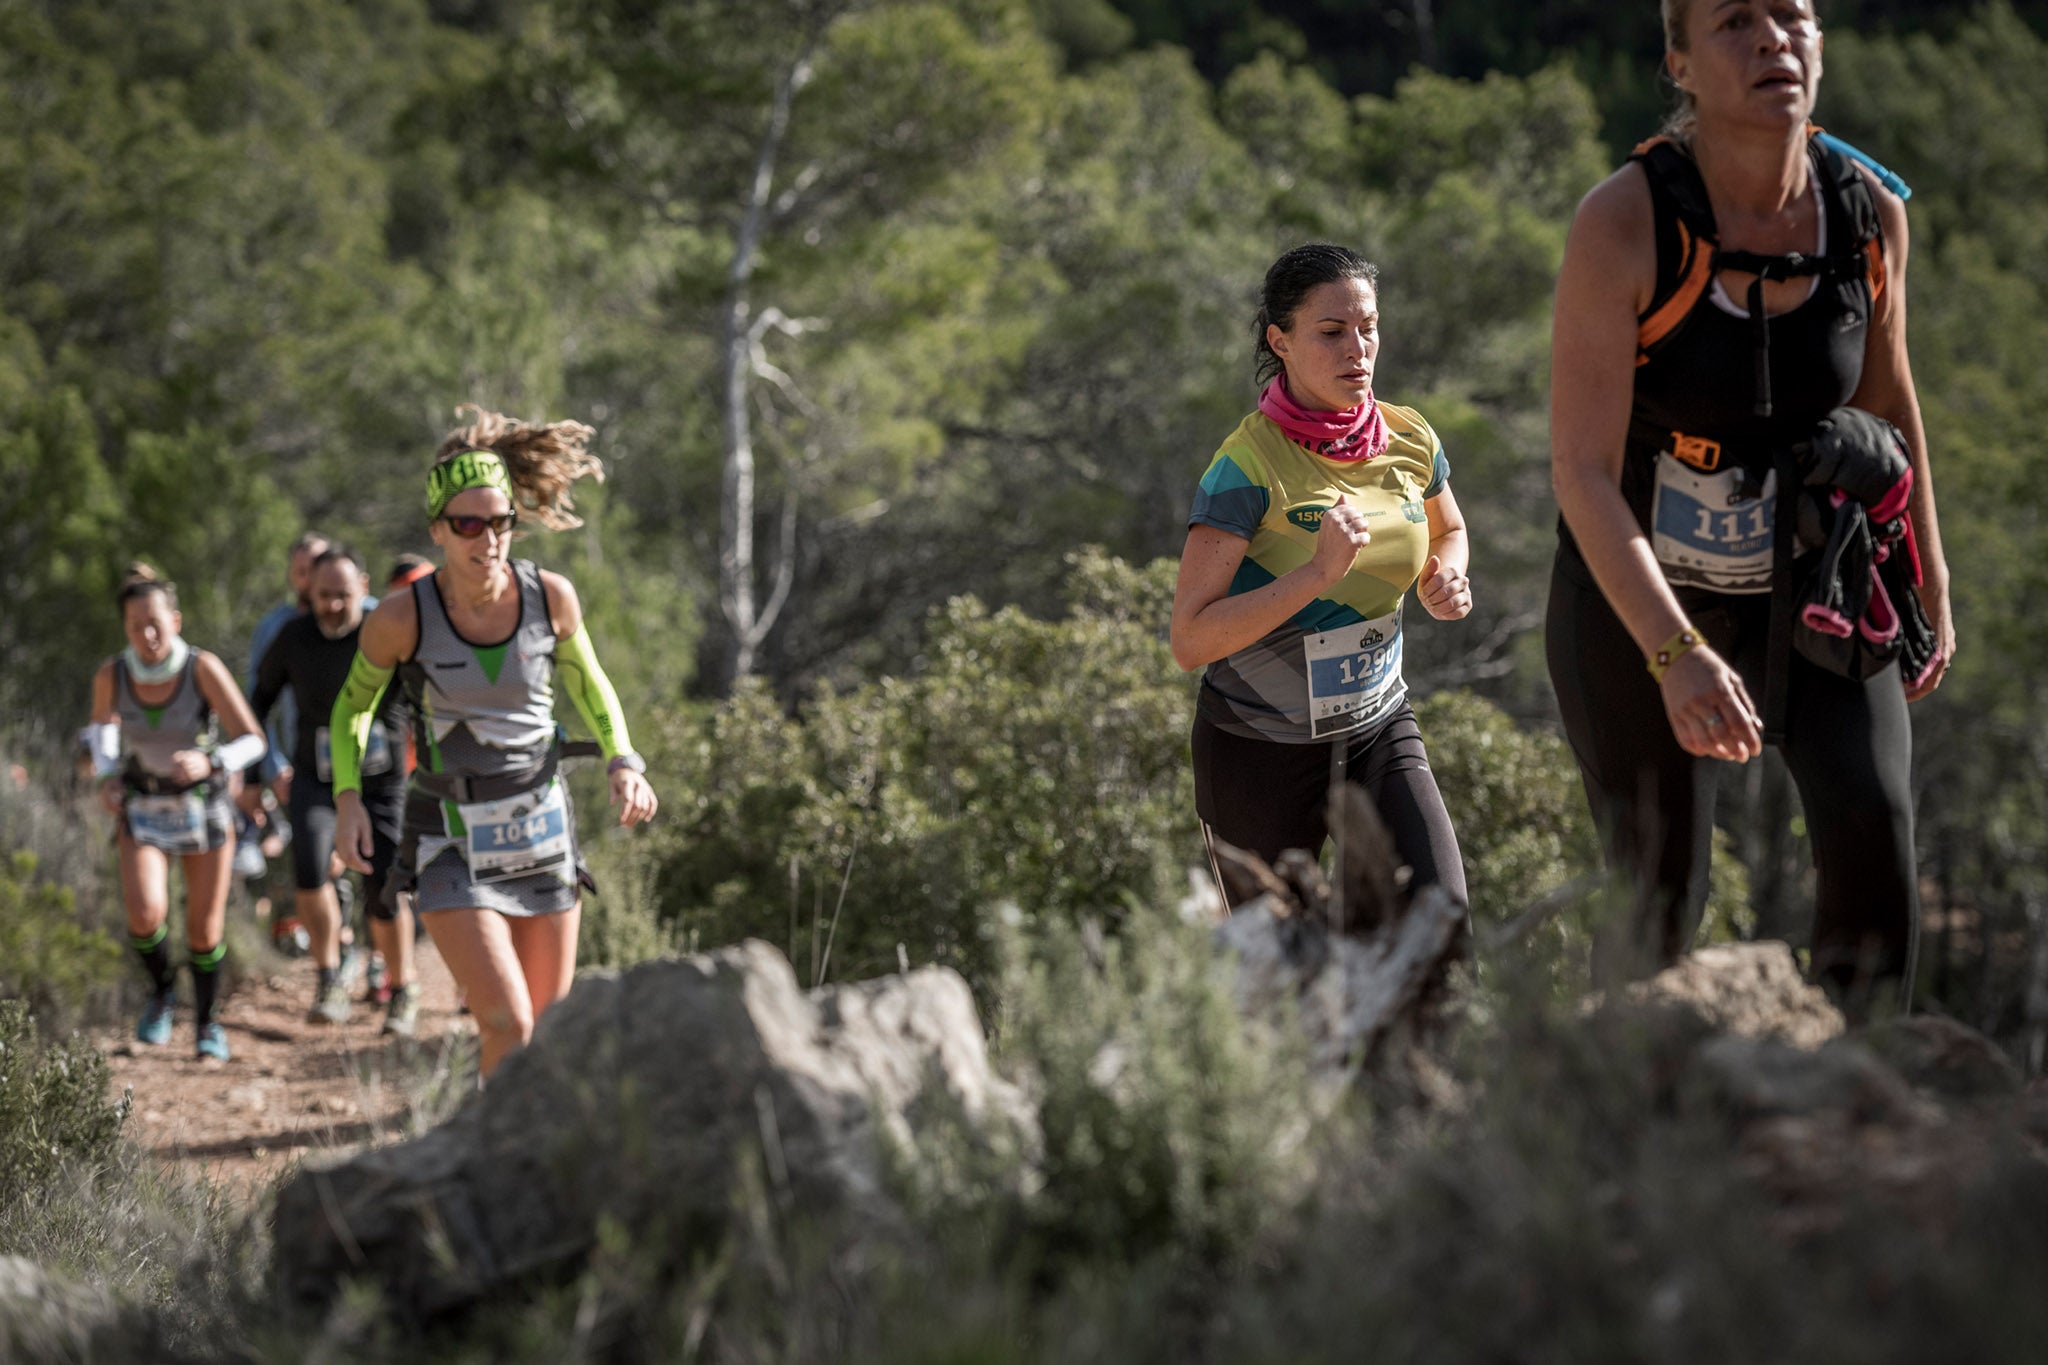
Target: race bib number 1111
(1714, 530)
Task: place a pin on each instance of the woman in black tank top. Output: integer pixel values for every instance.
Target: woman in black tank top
(1671, 397)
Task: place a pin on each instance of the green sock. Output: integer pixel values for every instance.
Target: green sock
(156, 959)
(206, 981)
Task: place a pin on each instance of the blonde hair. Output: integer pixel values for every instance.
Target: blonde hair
(140, 581)
(541, 460)
(1683, 119)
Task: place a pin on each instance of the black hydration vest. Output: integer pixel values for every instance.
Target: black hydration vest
(1722, 401)
(1718, 391)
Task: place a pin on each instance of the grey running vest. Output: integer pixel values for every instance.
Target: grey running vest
(484, 711)
(153, 735)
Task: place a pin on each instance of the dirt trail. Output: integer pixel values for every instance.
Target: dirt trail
(293, 1089)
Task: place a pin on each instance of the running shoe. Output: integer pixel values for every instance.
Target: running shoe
(211, 1043)
(376, 981)
(154, 1027)
(404, 1015)
(331, 1005)
(288, 935)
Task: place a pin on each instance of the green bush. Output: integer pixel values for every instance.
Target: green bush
(1035, 764)
(1171, 1126)
(53, 1106)
(52, 964)
(1514, 798)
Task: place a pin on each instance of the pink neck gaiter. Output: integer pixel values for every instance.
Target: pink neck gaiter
(1358, 433)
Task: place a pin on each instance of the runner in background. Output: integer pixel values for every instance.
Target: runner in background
(1315, 519)
(311, 657)
(286, 933)
(490, 839)
(165, 782)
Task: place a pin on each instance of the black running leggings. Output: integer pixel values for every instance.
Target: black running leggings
(1267, 797)
(312, 815)
(1848, 745)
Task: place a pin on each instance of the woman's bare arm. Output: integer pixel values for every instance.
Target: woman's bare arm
(1605, 284)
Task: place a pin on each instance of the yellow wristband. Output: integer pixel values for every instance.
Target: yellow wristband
(1668, 652)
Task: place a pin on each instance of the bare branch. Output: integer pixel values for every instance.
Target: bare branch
(791, 199)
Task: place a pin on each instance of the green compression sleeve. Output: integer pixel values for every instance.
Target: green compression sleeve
(348, 729)
(584, 680)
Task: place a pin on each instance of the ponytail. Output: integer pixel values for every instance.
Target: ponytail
(542, 461)
(140, 581)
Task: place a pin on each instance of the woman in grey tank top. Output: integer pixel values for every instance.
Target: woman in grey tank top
(164, 779)
(481, 646)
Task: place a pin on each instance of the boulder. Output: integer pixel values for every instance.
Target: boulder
(1750, 990)
(1945, 1059)
(46, 1317)
(646, 1099)
(1749, 1079)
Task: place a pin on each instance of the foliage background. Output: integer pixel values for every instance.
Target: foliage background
(986, 292)
(990, 283)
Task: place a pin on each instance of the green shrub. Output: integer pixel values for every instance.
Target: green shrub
(53, 1106)
(1525, 831)
(1515, 800)
(1036, 764)
(1171, 1126)
(61, 923)
(56, 966)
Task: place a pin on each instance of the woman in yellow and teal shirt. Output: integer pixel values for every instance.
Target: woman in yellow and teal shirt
(1314, 521)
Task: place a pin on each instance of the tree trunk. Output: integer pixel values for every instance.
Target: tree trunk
(737, 569)
(1425, 33)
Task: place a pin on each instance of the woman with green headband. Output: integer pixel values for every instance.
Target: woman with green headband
(489, 847)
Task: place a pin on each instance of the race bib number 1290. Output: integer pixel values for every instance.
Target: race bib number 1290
(1354, 674)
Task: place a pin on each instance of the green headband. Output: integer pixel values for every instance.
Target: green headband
(470, 469)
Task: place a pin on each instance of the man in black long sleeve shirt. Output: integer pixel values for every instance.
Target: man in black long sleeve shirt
(311, 655)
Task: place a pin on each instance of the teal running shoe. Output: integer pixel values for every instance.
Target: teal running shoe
(154, 1028)
(212, 1042)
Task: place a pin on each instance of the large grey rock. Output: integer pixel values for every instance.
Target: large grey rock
(645, 1098)
(1750, 1079)
(1750, 990)
(1945, 1058)
(46, 1317)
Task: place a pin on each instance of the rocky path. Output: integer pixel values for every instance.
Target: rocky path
(293, 1089)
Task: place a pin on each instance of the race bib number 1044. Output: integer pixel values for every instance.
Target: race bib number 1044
(520, 836)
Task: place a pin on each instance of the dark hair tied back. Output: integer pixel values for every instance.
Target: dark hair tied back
(140, 581)
(1289, 281)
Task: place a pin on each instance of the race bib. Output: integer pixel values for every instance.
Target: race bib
(520, 836)
(174, 822)
(1354, 674)
(376, 756)
(1713, 530)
